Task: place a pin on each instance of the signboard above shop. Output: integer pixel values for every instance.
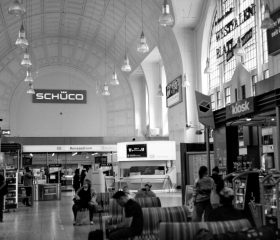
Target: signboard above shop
(136, 150)
(69, 148)
(240, 108)
(59, 96)
(145, 151)
(273, 35)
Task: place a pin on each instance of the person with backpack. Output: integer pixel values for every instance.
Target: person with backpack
(3, 192)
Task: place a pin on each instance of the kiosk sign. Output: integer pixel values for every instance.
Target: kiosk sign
(240, 108)
(59, 96)
(136, 150)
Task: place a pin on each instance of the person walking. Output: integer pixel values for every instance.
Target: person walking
(202, 190)
(28, 183)
(3, 192)
(76, 180)
(83, 175)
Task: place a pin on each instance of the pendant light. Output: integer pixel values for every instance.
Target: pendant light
(97, 88)
(21, 40)
(159, 93)
(142, 46)
(114, 80)
(16, 8)
(239, 50)
(30, 89)
(28, 77)
(267, 22)
(126, 65)
(26, 62)
(105, 91)
(166, 19)
(207, 69)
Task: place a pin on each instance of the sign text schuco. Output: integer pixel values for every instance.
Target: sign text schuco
(59, 96)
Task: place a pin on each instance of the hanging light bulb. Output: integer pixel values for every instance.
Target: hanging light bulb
(16, 9)
(267, 22)
(105, 91)
(126, 66)
(26, 62)
(142, 45)
(159, 93)
(21, 40)
(28, 77)
(239, 50)
(114, 81)
(30, 89)
(97, 88)
(166, 18)
(207, 69)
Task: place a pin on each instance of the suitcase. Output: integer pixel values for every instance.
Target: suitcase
(82, 217)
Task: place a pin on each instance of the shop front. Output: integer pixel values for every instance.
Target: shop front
(246, 134)
(149, 161)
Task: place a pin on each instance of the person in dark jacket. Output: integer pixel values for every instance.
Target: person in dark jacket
(28, 183)
(3, 192)
(83, 175)
(76, 180)
(83, 199)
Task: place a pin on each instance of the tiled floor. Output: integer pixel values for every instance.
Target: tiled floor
(52, 220)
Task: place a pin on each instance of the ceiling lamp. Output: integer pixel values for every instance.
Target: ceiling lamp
(21, 40)
(30, 89)
(159, 93)
(26, 62)
(126, 66)
(105, 91)
(114, 81)
(207, 69)
(16, 9)
(267, 22)
(166, 18)
(28, 77)
(142, 46)
(239, 50)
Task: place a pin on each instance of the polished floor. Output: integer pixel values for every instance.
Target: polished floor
(52, 220)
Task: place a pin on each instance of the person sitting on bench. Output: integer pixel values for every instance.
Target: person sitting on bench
(83, 199)
(132, 224)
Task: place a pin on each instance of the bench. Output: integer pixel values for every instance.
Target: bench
(155, 215)
(103, 199)
(187, 230)
(116, 211)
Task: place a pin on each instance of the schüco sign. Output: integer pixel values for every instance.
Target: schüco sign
(240, 108)
(59, 96)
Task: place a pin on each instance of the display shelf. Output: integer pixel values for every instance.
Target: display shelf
(11, 199)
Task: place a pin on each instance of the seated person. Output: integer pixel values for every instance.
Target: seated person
(83, 199)
(145, 192)
(226, 211)
(127, 192)
(132, 225)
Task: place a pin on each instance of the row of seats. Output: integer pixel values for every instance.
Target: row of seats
(165, 223)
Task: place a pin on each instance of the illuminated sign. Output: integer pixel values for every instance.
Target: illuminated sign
(59, 96)
(136, 150)
(240, 108)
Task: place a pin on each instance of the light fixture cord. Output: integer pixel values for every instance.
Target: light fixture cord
(114, 35)
(105, 52)
(125, 27)
(142, 15)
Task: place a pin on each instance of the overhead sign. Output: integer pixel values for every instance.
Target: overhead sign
(240, 108)
(59, 96)
(273, 35)
(136, 150)
(69, 148)
(150, 151)
(6, 132)
(205, 113)
(174, 92)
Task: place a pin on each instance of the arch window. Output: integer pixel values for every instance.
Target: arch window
(234, 19)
